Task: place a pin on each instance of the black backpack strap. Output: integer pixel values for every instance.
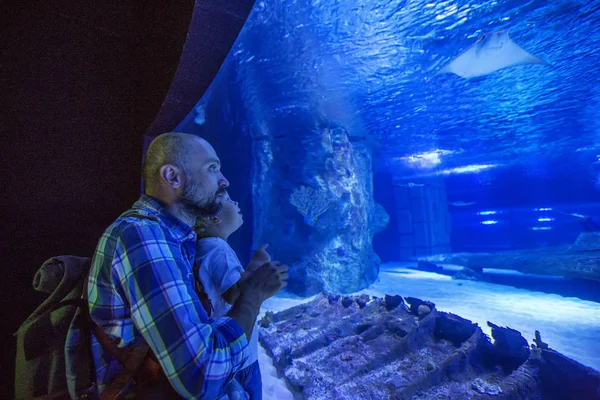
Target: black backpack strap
(202, 295)
(86, 373)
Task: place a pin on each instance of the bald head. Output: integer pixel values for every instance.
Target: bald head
(177, 149)
(184, 172)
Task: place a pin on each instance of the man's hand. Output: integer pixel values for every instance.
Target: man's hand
(261, 284)
(267, 280)
(259, 257)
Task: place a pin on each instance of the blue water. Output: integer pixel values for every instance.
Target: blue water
(534, 129)
(520, 146)
(512, 143)
(370, 61)
(371, 65)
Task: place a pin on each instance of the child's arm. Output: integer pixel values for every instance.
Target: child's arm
(259, 258)
(230, 296)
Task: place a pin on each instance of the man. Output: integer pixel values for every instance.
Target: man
(141, 279)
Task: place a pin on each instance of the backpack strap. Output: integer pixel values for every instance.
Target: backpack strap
(135, 359)
(202, 295)
(136, 366)
(62, 395)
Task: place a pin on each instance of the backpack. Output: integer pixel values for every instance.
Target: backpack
(41, 366)
(40, 362)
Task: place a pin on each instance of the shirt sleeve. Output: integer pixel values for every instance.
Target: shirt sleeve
(198, 355)
(224, 267)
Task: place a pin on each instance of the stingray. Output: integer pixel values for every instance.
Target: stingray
(492, 52)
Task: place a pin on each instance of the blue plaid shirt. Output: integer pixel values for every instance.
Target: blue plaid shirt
(141, 284)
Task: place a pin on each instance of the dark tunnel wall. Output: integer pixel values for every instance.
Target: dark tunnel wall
(81, 84)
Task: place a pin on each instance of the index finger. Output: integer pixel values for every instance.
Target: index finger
(275, 264)
(283, 267)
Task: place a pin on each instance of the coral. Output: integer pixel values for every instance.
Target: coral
(484, 388)
(310, 203)
(329, 181)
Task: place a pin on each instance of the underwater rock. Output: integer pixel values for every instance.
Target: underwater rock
(538, 341)
(362, 300)
(347, 302)
(454, 329)
(313, 203)
(416, 304)
(325, 350)
(586, 241)
(485, 388)
(579, 261)
(423, 310)
(469, 274)
(429, 267)
(510, 349)
(392, 302)
(564, 378)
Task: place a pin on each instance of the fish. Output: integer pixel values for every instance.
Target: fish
(590, 224)
(461, 203)
(492, 52)
(573, 214)
(411, 184)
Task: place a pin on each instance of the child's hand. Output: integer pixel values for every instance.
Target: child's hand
(261, 255)
(259, 258)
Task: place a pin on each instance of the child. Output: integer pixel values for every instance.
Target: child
(221, 272)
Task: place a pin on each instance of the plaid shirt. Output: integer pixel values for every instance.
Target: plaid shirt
(141, 284)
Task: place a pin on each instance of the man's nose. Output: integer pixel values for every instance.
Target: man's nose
(223, 182)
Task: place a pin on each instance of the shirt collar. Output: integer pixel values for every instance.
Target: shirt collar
(179, 229)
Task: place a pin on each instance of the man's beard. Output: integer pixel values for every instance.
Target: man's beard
(194, 205)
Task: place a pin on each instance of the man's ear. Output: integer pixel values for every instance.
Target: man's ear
(171, 175)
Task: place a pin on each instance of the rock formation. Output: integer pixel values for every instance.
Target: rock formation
(313, 203)
(580, 261)
(371, 348)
